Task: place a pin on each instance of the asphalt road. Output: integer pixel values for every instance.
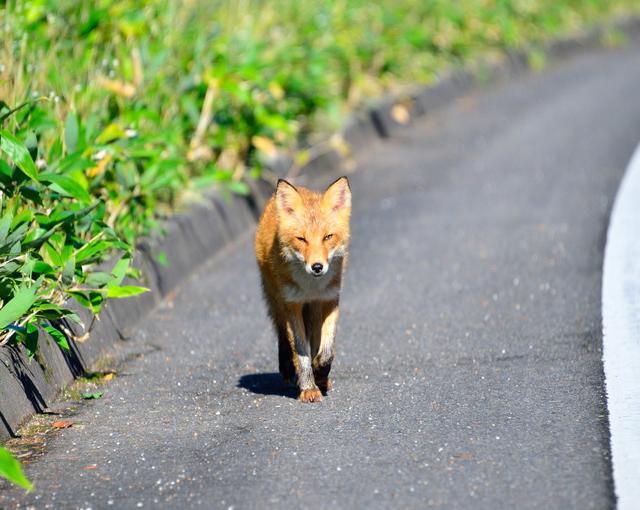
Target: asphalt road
(469, 370)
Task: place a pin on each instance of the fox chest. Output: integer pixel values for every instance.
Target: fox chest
(305, 287)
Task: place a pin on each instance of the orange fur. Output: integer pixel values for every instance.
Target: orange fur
(301, 248)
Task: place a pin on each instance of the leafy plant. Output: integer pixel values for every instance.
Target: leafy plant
(11, 470)
(52, 236)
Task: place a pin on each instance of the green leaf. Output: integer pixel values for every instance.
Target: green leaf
(41, 267)
(92, 248)
(9, 267)
(31, 144)
(30, 339)
(5, 116)
(67, 253)
(55, 152)
(16, 236)
(23, 216)
(5, 223)
(11, 470)
(68, 271)
(58, 336)
(15, 249)
(35, 244)
(91, 299)
(18, 306)
(67, 185)
(110, 133)
(71, 130)
(30, 193)
(12, 147)
(62, 216)
(72, 162)
(98, 279)
(27, 267)
(92, 396)
(125, 291)
(119, 271)
(6, 173)
(50, 311)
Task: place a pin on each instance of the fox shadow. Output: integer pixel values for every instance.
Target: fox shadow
(267, 383)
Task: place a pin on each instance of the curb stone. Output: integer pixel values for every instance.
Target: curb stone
(358, 131)
(102, 327)
(29, 386)
(260, 191)
(23, 388)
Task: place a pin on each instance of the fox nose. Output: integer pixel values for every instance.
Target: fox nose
(317, 268)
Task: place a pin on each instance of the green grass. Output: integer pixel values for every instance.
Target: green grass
(116, 112)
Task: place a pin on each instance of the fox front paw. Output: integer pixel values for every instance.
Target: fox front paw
(313, 395)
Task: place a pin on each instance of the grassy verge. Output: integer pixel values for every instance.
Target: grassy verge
(115, 112)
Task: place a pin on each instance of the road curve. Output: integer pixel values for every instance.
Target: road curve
(621, 330)
(469, 369)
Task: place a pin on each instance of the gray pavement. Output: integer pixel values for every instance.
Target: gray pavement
(469, 369)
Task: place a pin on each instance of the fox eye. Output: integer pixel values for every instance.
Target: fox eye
(300, 238)
(328, 236)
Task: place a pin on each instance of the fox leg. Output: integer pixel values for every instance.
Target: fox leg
(297, 336)
(285, 356)
(312, 316)
(277, 315)
(324, 323)
(285, 352)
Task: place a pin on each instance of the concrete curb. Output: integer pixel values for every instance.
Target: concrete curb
(28, 386)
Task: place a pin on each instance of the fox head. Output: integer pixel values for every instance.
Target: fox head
(313, 228)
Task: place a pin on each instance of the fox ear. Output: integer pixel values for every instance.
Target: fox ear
(337, 197)
(288, 200)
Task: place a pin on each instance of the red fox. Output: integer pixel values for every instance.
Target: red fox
(301, 247)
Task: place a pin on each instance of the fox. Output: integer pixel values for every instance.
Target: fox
(301, 247)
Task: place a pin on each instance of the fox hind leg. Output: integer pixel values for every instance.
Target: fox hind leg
(286, 352)
(285, 357)
(323, 322)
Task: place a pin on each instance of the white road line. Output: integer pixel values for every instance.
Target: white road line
(621, 335)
